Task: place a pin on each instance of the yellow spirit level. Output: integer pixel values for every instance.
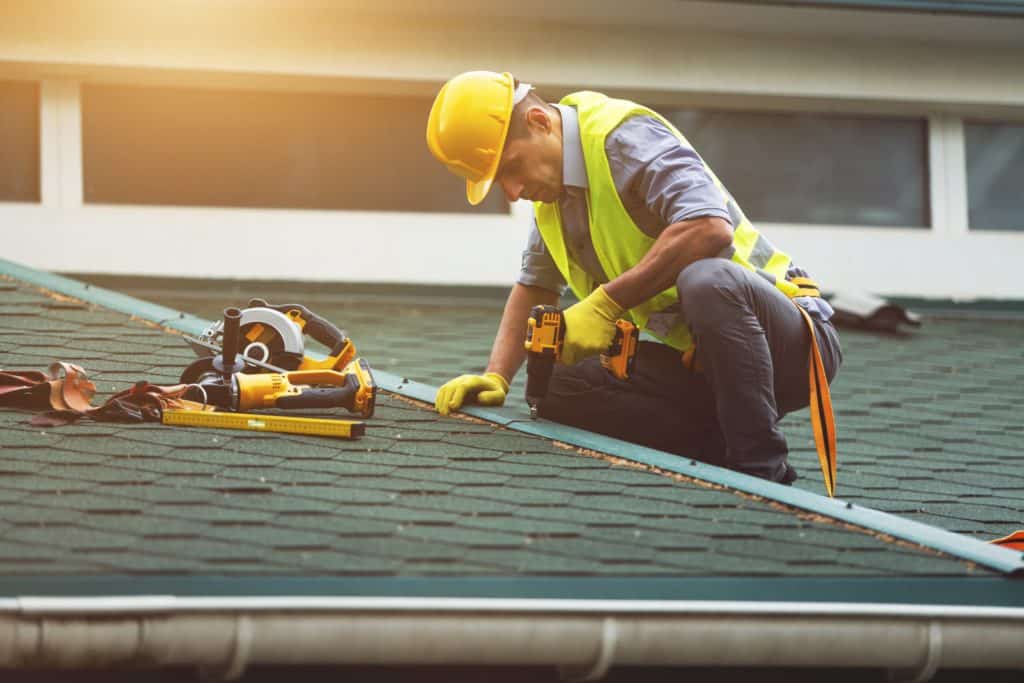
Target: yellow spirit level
(312, 426)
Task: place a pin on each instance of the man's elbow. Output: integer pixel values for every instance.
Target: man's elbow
(715, 235)
(535, 294)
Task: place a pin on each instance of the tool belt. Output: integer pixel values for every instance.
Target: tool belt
(65, 392)
(820, 402)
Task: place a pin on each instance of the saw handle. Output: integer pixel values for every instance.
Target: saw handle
(323, 397)
(227, 362)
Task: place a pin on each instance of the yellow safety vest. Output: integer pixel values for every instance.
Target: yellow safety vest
(620, 244)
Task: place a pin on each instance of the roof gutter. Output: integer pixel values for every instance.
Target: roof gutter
(224, 637)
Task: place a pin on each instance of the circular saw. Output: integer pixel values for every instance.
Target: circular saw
(272, 338)
(253, 359)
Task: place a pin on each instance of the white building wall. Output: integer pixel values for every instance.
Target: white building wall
(686, 53)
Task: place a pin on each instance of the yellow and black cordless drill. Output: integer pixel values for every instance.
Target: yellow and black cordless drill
(545, 336)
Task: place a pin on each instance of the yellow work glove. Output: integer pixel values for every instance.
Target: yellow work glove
(589, 327)
(487, 390)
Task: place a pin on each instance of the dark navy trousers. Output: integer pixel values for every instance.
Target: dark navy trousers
(752, 351)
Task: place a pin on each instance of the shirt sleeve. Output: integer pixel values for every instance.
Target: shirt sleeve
(538, 268)
(668, 178)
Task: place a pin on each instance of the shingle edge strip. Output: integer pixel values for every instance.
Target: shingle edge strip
(957, 545)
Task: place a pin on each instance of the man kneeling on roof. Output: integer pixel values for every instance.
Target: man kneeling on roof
(637, 225)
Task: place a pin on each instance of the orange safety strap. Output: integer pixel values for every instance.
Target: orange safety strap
(807, 287)
(690, 361)
(822, 418)
(1014, 541)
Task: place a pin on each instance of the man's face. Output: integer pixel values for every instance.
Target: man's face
(531, 164)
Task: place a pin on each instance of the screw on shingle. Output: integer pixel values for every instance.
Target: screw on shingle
(693, 463)
(849, 506)
(181, 315)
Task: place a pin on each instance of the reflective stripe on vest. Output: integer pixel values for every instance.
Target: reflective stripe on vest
(620, 244)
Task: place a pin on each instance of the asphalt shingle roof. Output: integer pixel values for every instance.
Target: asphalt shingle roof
(930, 425)
(418, 495)
(929, 421)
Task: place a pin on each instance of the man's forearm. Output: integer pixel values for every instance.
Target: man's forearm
(679, 245)
(508, 352)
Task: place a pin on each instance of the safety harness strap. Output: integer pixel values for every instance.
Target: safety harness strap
(1014, 541)
(806, 287)
(822, 417)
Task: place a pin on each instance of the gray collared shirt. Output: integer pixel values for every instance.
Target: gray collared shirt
(659, 180)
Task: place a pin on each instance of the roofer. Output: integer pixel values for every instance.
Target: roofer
(632, 219)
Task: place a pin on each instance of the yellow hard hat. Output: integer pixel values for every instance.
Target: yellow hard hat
(467, 127)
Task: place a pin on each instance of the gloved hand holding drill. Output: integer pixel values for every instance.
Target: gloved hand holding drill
(589, 327)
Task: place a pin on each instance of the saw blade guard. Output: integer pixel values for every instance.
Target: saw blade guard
(265, 335)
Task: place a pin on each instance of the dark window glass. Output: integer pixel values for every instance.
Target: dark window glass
(995, 175)
(199, 147)
(816, 168)
(19, 142)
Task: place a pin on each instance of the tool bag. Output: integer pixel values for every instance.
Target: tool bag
(65, 392)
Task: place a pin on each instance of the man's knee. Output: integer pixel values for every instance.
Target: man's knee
(572, 388)
(704, 282)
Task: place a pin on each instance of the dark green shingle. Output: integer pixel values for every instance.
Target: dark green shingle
(426, 495)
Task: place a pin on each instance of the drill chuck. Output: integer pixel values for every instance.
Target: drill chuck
(539, 367)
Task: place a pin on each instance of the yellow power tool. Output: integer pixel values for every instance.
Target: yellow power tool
(352, 389)
(222, 380)
(272, 337)
(545, 336)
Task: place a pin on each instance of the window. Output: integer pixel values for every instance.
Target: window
(19, 142)
(995, 175)
(198, 147)
(816, 168)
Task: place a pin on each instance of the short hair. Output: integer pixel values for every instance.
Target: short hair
(517, 120)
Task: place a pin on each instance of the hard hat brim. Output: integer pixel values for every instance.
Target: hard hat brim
(476, 192)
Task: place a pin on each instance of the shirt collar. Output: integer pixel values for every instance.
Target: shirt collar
(574, 170)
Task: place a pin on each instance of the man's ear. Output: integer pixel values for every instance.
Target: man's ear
(538, 119)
